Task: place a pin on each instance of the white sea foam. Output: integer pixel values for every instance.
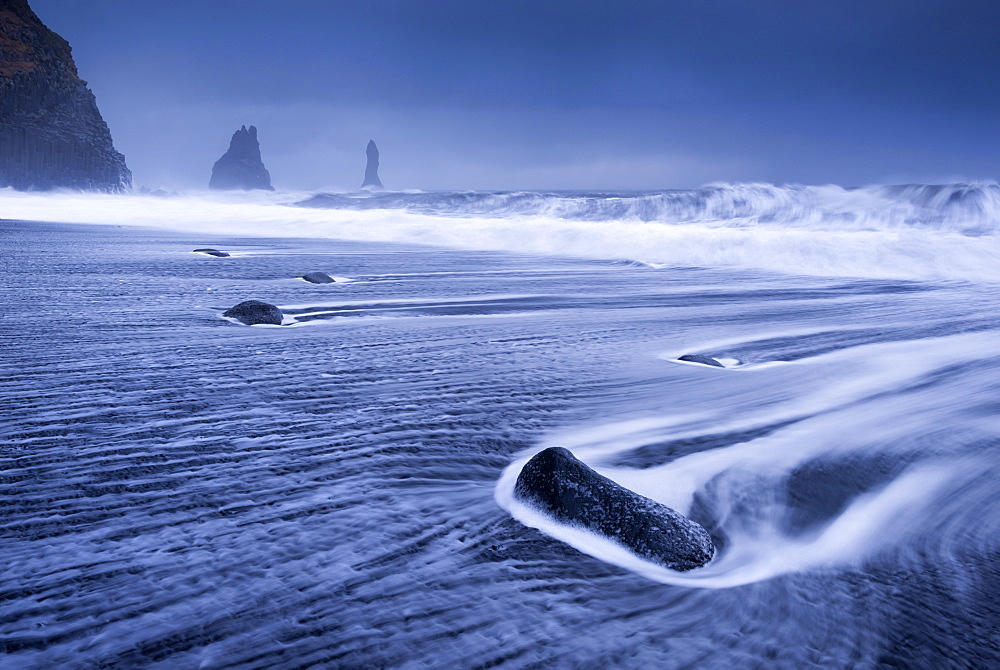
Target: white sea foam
(921, 233)
(872, 522)
(187, 491)
(864, 392)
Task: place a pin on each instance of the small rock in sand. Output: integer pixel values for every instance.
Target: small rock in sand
(704, 360)
(212, 252)
(252, 312)
(318, 278)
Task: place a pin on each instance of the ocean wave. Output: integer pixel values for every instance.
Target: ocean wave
(971, 209)
(886, 232)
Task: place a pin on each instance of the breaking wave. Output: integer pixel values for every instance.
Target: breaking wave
(903, 232)
(968, 209)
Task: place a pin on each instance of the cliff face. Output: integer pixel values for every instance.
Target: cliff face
(241, 168)
(372, 182)
(51, 132)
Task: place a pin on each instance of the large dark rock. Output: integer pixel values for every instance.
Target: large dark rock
(704, 360)
(372, 182)
(318, 278)
(240, 168)
(562, 486)
(252, 312)
(51, 132)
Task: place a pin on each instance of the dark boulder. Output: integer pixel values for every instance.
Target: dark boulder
(212, 252)
(318, 278)
(252, 312)
(51, 133)
(704, 360)
(372, 182)
(562, 486)
(241, 168)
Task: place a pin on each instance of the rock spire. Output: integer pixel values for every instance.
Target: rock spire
(372, 182)
(241, 168)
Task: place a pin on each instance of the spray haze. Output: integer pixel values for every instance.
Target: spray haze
(906, 232)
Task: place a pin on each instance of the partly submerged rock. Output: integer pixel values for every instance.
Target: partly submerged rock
(318, 278)
(372, 182)
(704, 360)
(157, 192)
(212, 252)
(51, 132)
(241, 168)
(559, 484)
(252, 312)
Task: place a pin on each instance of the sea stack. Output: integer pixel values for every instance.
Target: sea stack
(51, 132)
(240, 168)
(560, 485)
(372, 182)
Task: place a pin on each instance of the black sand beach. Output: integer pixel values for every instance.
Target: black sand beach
(179, 490)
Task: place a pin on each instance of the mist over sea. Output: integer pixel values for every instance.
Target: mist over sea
(905, 232)
(183, 491)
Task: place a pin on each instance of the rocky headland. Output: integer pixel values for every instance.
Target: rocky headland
(51, 133)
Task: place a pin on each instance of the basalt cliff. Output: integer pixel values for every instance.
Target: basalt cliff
(51, 132)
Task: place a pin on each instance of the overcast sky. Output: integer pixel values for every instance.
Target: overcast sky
(547, 94)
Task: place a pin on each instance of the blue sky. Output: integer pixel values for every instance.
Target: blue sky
(569, 94)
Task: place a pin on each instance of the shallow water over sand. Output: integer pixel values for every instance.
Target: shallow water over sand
(181, 491)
